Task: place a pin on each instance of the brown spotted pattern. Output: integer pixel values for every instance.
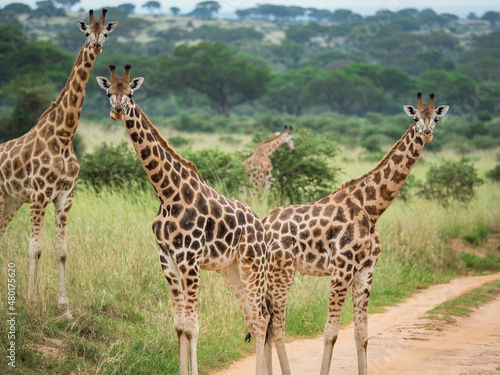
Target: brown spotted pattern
(196, 228)
(260, 165)
(336, 237)
(40, 167)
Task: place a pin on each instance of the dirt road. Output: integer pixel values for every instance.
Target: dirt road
(400, 344)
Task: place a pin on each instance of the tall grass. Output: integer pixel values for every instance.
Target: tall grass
(123, 321)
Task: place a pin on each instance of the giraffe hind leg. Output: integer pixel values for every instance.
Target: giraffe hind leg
(252, 280)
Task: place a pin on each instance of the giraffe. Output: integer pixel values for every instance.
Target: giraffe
(336, 237)
(259, 164)
(40, 167)
(195, 228)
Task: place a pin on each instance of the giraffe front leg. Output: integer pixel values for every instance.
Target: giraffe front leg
(338, 293)
(360, 294)
(173, 276)
(8, 209)
(37, 213)
(62, 208)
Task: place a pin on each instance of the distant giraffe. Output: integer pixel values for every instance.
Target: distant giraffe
(40, 167)
(196, 228)
(336, 237)
(260, 165)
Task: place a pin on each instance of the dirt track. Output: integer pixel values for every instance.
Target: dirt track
(400, 344)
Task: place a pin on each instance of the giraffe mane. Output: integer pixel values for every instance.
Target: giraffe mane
(55, 104)
(391, 152)
(271, 139)
(166, 146)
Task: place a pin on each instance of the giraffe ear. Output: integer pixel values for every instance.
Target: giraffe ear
(410, 111)
(136, 83)
(442, 110)
(110, 26)
(103, 82)
(82, 26)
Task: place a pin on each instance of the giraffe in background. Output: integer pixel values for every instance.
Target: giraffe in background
(336, 237)
(40, 167)
(260, 165)
(195, 228)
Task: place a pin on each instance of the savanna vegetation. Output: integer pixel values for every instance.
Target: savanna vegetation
(339, 78)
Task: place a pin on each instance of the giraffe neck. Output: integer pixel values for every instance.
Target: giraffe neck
(267, 148)
(167, 171)
(383, 183)
(63, 116)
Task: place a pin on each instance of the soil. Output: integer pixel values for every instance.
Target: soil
(402, 343)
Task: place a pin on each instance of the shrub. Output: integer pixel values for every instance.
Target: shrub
(113, 166)
(219, 167)
(494, 174)
(452, 181)
(179, 141)
(307, 174)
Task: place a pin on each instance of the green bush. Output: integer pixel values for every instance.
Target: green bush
(494, 174)
(113, 166)
(306, 174)
(451, 181)
(179, 141)
(219, 168)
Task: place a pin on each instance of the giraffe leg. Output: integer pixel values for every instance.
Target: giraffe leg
(360, 294)
(338, 292)
(231, 276)
(8, 209)
(62, 207)
(279, 281)
(174, 279)
(251, 269)
(37, 213)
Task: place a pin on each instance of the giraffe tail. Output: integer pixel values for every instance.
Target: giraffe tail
(269, 330)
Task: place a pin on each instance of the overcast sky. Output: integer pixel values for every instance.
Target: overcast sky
(364, 7)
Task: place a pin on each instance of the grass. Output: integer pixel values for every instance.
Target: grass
(464, 304)
(123, 320)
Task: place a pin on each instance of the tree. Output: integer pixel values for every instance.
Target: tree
(344, 93)
(128, 8)
(31, 94)
(212, 70)
(288, 53)
(152, 6)
(66, 4)
(173, 34)
(285, 91)
(18, 8)
(175, 11)
(491, 17)
(205, 10)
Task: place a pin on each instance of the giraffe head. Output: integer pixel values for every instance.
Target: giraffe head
(96, 31)
(289, 138)
(425, 116)
(120, 91)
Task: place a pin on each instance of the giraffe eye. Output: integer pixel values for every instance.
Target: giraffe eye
(87, 33)
(105, 35)
(108, 94)
(415, 118)
(130, 95)
(436, 120)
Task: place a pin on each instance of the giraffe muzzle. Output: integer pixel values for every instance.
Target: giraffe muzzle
(116, 116)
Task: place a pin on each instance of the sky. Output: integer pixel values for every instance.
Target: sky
(364, 7)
